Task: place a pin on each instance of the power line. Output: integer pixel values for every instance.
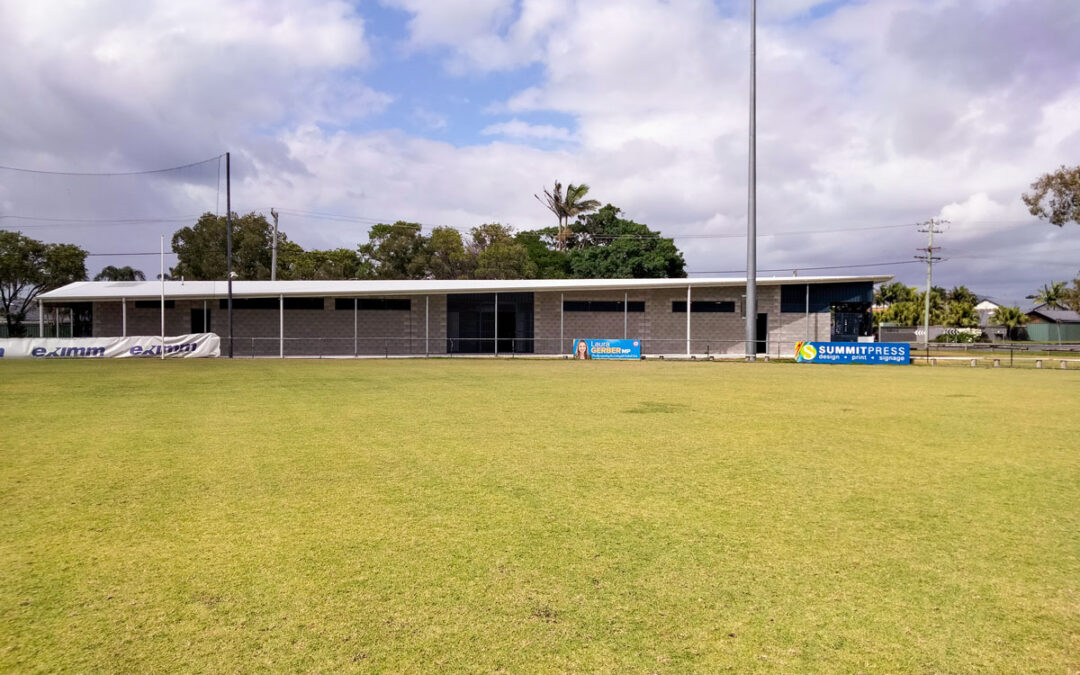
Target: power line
(822, 267)
(113, 174)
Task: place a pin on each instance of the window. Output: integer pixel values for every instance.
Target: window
(154, 304)
(272, 303)
(378, 304)
(704, 306)
(602, 306)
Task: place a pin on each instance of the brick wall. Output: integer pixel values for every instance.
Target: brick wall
(330, 332)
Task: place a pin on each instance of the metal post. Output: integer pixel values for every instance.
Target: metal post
(281, 326)
(496, 324)
(625, 304)
(162, 296)
(427, 325)
(40, 319)
(688, 320)
(562, 340)
(56, 322)
(205, 322)
(751, 219)
(273, 250)
(228, 243)
(123, 317)
(355, 329)
(807, 313)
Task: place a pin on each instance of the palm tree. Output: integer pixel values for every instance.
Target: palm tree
(1051, 296)
(565, 208)
(126, 273)
(1009, 317)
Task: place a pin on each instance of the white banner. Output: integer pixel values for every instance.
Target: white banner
(198, 345)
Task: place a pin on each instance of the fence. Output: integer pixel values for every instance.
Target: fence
(389, 347)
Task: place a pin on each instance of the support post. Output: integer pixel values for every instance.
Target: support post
(562, 340)
(751, 215)
(228, 243)
(496, 324)
(427, 325)
(355, 327)
(625, 309)
(40, 319)
(281, 326)
(808, 312)
(123, 317)
(688, 320)
(162, 298)
(205, 318)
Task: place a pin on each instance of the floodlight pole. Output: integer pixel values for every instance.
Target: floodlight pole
(751, 216)
(228, 244)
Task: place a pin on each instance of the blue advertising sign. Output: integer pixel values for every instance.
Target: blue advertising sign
(894, 353)
(607, 349)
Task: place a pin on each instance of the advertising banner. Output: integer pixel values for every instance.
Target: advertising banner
(198, 345)
(607, 349)
(893, 353)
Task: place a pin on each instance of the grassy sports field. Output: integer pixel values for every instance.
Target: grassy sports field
(551, 516)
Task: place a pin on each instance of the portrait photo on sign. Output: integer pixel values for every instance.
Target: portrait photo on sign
(581, 349)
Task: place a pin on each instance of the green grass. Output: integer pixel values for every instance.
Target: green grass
(553, 516)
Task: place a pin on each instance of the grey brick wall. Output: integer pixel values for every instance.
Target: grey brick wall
(330, 332)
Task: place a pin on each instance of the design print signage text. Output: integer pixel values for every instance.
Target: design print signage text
(607, 349)
(891, 353)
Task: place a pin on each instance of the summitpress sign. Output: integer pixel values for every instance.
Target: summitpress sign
(893, 353)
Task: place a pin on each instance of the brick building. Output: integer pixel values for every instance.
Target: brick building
(529, 316)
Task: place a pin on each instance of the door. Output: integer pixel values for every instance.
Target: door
(762, 333)
(200, 322)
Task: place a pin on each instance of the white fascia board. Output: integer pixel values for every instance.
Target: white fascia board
(84, 291)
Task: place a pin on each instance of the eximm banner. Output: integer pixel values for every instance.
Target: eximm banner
(197, 345)
(893, 353)
(607, 349)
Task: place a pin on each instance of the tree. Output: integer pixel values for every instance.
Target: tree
(28, 268)
(912, 312)
(567, 207)
(1053, 295)
(201, 248)
(1009, 317)
(541, 246)
(499, 255)
(445, 256)
(1072, 296)
(126, 273)
(889, 294)
(1055, 197)
(612, 247)
(395, 251)
(961, 295)
(338, 263)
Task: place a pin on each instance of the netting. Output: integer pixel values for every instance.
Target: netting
(118, 217)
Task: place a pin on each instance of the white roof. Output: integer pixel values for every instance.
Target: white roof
(83, 291)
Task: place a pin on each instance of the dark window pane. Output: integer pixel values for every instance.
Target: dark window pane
(704, 306)
(154, 304)
(602, 306)
(304, 303)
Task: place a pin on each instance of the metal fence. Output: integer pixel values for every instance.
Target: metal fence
(398, 347)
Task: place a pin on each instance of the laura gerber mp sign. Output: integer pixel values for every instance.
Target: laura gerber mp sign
(607, 349)
(894, 353)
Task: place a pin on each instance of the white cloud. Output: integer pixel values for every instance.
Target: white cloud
(518, 129)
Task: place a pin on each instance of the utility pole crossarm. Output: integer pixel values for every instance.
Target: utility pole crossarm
(931, 228)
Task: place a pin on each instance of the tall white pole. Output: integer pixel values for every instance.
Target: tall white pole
(162, 296)
(751, 216)
(688, 320)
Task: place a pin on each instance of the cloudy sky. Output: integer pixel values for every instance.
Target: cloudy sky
(874, 115)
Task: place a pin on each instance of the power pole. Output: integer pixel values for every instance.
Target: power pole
(273, 251)
(228, 243)
(751, 215)
(931, 228)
